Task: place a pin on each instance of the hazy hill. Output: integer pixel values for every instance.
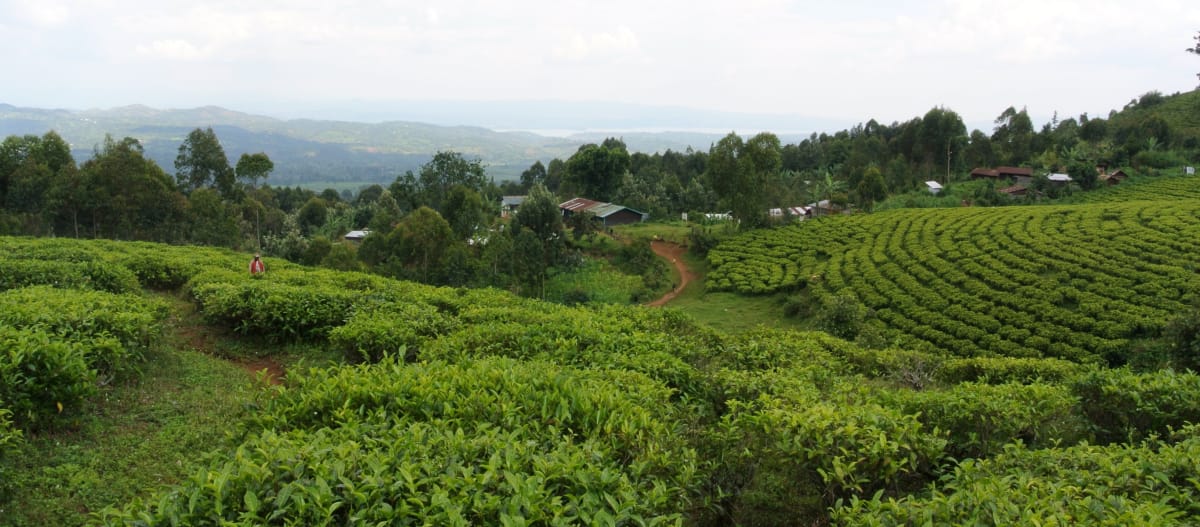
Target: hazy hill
(320, 151)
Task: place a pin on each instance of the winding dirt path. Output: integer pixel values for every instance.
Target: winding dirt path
(672, 252)
(187, 329)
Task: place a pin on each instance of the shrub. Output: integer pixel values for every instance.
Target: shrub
(495, 442)
(117, 329)
(1126, 406)
(802, 458)
(1151, 484)
(98, 275)
(842, 316)
(10, 438)
(998, 370)
(979, 419)
(41, 376)
(394, 329)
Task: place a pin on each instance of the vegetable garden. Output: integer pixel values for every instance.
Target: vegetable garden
(477, 407)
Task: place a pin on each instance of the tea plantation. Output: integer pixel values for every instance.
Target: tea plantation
(1081, 283)
(476, 407)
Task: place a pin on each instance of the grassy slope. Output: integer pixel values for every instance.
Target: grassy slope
(135, 437)
(729, 312)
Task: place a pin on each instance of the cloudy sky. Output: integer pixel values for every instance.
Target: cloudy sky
(850, 60)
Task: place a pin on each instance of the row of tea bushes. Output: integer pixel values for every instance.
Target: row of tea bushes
(494, 442)
(56, 345)
(1151, 484)
(1078, 283)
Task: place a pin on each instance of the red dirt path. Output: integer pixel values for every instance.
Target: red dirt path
(672, 252)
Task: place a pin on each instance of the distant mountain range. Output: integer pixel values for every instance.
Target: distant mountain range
(316, 152)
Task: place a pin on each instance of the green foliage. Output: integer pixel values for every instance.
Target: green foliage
(42, 376)
(1150, 484)
(273, 308)
(396, 329)
(998, 370)
(491, 443)
(842, 316)
(202, 163)
(1052, 281)
(92, 274)
(830, 451)
(1183, 340)
(739, 170)
(595, 171)
(121, 327)
(10, 438)
(979, 419)
(1124, 406)
(594, 282)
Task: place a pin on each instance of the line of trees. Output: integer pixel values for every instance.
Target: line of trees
(441, 223)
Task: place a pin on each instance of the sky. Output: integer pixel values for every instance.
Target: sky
(849, 61)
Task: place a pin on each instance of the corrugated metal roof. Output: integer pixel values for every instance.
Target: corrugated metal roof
(604, 210)
(509, 201)
(578, 204)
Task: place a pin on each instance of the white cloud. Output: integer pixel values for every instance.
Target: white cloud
(174, 49)
(579, 46)
(40, 13)
(855, 60)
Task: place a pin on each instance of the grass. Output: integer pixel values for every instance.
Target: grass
(594, 282)
(135, 437)
(672, 231)
(729, 312)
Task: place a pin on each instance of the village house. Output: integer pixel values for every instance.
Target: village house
(1016, 175)
(608, 214)
(510, 204)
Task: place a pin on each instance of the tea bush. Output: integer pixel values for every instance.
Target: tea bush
(805, 457)
(116, 329)
(10, 438)
(1125, 406)
(999, 370)
(495, 442)
(979, 419)
(42, 375)
(1150, 484)
(1077, 283)
(95, 274)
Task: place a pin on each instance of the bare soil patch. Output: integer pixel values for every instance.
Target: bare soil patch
(673, 253)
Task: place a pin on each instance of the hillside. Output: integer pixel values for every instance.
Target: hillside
(456, 406)
(321, 151)
(1079, 282)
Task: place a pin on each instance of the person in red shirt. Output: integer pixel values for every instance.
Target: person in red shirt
(257, 266)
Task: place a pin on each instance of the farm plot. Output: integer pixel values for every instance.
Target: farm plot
(1071, 282)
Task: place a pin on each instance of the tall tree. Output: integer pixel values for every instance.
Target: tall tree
(128, 196)
(1013, 136)
(534, 175)
(595, 171)
(253, 167)
(940, 138)
(202, 163)
(464, 211)
(445, 170)
(739, 172)
(1195, 49)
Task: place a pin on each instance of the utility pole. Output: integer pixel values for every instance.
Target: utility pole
(948, 152)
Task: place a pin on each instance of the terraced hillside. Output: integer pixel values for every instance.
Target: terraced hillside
(476, 407)
(1145, 188)
(1078, 282)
